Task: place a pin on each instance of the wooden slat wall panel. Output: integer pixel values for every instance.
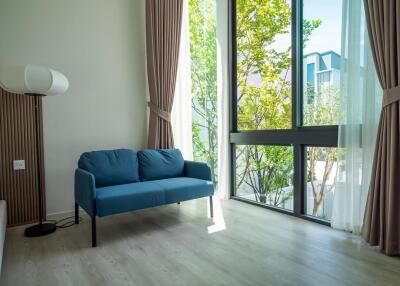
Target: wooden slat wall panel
(17, 142)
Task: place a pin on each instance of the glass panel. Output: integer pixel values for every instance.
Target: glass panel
(310, 82)
(321, 61)
(203, 56)
(265, 174)
(264, 64)
(321, 181)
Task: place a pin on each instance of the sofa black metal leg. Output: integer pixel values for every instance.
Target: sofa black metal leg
(76, 213)
(211, 207)
(94, 238)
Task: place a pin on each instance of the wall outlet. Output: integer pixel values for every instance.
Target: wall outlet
(19, 164)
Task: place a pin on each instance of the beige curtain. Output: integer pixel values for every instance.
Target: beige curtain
(382, 214)
(163, 30)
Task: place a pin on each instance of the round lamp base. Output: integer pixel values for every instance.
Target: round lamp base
(40, 229)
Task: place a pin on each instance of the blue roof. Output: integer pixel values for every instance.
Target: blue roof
(321, 54)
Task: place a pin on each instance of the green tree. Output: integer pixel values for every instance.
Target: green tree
(203, 52)
(264, 95)
(322, 110)
(264, 91)
(265, 169)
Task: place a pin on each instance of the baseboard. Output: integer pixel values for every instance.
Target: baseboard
(60, 215)
(63, 214)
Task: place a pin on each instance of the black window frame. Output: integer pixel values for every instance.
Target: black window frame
(299, 136)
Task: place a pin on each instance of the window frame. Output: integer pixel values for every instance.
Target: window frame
(298, 136)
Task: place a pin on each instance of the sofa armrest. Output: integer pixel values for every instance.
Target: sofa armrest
(85, 190)
(197, 170)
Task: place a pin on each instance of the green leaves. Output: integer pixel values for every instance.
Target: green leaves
(264, 101)
(324, 108)
(203, 53)
(263, 71)
(264, 88)
(308, 27)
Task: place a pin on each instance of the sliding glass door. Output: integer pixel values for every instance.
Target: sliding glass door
(285, 104)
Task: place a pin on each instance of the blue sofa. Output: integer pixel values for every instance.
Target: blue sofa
(117, 181)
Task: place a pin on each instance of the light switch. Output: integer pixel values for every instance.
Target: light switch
(19, 164)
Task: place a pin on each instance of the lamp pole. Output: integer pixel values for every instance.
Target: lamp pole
(38, 159)
(41, 228)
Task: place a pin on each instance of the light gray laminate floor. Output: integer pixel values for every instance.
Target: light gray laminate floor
(179, 245)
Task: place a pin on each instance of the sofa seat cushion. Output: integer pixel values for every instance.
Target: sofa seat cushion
(160, 164)
(183, 189)
(128, 197)
(111, 167)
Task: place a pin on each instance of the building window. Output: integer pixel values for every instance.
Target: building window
(310, 85)
(286, 80)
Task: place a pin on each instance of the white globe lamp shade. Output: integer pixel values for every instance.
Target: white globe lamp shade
(33, 80)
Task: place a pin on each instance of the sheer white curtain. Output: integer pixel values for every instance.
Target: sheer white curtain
(181, 116)
(182, 108)
(361, 98)
(223, 99)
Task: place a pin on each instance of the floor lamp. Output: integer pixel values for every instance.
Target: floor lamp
(35, 81)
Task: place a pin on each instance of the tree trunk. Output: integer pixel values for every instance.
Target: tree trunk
(316, 207)
(318, 202)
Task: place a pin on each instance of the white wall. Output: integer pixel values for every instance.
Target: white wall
(100, 46)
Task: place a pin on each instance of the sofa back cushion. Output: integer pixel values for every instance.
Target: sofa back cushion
(111, 167)
(160, 164)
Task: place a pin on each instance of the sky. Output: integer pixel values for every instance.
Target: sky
(328, 35)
